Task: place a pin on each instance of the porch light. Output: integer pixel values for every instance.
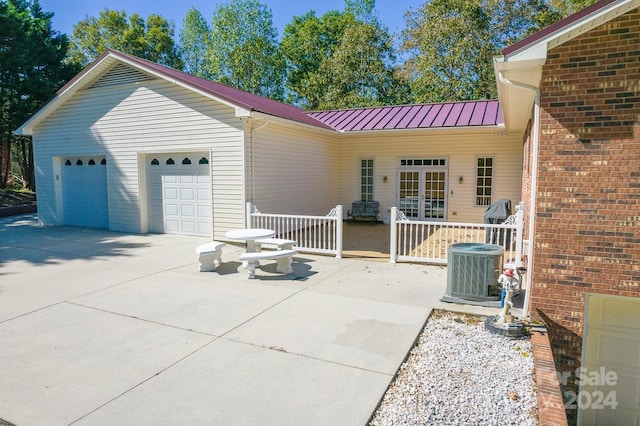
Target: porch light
(460, 180)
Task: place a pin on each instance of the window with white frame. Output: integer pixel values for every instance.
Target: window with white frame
(484, 181)
(366, 180)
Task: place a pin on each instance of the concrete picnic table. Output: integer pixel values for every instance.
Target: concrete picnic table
(250, 235)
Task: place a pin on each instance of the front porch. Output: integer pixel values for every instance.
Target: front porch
(474, 279)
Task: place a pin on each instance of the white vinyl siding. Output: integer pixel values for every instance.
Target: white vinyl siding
(126, 120)
(296, 170)
(460, 151)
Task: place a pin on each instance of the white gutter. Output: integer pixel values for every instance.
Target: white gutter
(534, 180)
(485, 129)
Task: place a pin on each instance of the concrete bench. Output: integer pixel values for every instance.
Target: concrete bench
(209, 254)
(282, 243)
(284, 259)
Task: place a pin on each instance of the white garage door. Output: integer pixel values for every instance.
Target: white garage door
(610, 391)
(179, 193)
(84, 191)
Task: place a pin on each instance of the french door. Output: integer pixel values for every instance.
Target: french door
(422, 192)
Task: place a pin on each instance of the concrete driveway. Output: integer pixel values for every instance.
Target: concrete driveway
(99, 328)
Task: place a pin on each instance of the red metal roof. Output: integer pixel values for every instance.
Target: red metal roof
(422, 116)
(231, 95)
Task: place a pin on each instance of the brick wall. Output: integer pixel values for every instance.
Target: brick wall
(587, 229)
(550, 402)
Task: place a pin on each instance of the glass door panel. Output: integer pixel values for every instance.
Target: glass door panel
(422, 193)
(409, 193)
(434, 194)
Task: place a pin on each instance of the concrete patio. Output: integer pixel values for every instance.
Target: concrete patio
(107, 328)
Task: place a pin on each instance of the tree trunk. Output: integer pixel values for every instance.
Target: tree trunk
(5, 161)
(24, 155)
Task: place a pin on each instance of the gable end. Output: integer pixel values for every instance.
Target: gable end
(121, 74)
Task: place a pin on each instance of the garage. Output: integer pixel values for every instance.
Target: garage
(179, 193)
(84, 191)
(610, 373)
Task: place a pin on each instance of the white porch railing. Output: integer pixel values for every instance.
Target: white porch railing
(314, 234)
(423, 241)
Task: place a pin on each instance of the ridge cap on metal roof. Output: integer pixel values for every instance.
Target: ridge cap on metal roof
(403, 116)
(401, 105)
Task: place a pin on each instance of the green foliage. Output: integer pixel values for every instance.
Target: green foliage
(363, 10)
(32, 68)
(554, 10)
(195, 42)
(450, 44)
(152, 40)
(358, 73)
(306, 44)
(344, 59)
(244, 51)
(450, 48)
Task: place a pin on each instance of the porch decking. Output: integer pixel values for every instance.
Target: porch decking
(361, 240)
(403, 240)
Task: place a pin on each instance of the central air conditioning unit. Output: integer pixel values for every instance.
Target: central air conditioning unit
(472, 273)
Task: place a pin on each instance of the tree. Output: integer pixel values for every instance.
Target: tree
(363, 10)
(344, 59)
(152, 40)
(450, 50)
(306, 44)
(244, 52)
(195, 42)
(32, 68)
(554, 10)
(359, 72)
(450, 44)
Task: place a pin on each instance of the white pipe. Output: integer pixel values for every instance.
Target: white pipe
(253, 158)
(534, 181)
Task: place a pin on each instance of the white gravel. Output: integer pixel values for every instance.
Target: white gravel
(460, 374)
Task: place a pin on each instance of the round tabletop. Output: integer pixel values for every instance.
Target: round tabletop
(250, 234)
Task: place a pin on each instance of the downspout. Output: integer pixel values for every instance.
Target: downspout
(534, 179)
(253, 158)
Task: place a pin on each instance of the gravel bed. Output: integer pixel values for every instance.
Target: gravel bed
(460, 374)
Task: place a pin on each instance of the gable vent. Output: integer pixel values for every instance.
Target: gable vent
(121, 74)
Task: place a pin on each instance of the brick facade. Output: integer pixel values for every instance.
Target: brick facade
(587, 228)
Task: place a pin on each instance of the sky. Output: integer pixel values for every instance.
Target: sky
(69, 12)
